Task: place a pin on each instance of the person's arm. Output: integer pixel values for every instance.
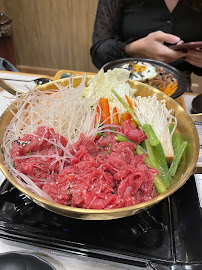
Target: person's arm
(107, 44)
(152, 46)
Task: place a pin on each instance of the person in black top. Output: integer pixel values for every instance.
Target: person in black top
(144, 28)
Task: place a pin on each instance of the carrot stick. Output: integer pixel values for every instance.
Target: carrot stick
(169, 85)
(129, 102)
(125, 116)
(170, 88)
(132, 123)
(115, 117)
(105, 112)
(170, 91)
(98, 112)
(127, 107)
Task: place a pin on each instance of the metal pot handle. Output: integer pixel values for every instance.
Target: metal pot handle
(197, 118)
(8, 88)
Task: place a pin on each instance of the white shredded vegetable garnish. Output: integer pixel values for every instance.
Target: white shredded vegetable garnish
(151, 111)
(63, 109)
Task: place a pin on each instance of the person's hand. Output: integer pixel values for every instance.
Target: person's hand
(194, 57)
(152, 46)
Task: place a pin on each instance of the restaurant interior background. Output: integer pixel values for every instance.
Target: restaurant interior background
(54, 35)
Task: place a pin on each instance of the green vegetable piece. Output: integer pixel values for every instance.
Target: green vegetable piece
(148, 130)
(139, 149)
(163, 163)
(30, 153)
(113, 129)
(68, 191)
(162, 158)
(155, 162)
(143, 145)
(127, 107)
(158, 183)
(108, 151)
(175, 163)
(171, 127)
(152, 156)
(99, 134)
(121, 138)
(176, 141)
(110, 145)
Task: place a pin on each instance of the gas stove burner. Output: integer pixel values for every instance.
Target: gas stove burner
(166, 236)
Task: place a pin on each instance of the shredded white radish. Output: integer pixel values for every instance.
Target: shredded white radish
(28, 183)
(63, 109)
(151, 111)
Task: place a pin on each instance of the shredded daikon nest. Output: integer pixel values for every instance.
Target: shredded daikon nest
(151, 111)
(64, 109)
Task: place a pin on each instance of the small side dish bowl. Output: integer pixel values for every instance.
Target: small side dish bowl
(182, 80)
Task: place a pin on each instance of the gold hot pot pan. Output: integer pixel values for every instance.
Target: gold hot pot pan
(187, 167)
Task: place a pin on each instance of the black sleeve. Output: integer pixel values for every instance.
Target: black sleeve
(107, 44)
(197, 71)
(184, 66)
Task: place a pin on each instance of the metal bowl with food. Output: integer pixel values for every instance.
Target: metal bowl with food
(155, 73)
(185, 127)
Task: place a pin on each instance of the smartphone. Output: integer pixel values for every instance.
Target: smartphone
(187, 45)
